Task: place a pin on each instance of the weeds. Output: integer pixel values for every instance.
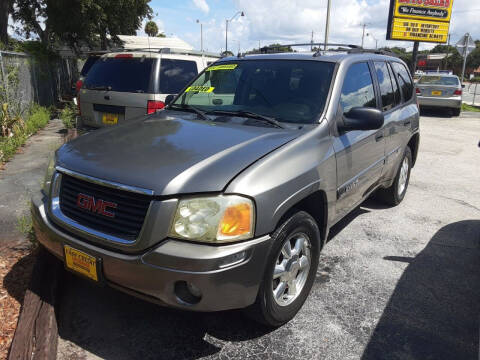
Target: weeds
(25, 226)
(19, 131)
(68, 115)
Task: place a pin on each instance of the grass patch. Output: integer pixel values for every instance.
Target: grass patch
(25, 226)
(37, 118)
(466, 107)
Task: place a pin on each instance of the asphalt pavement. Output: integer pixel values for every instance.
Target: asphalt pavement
(24, 175)
(471, 94)
(393, 283)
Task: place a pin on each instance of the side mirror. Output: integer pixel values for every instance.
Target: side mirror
(361, 118)
(463, 86)
(169, 99)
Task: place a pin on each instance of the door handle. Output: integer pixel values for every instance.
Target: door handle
(406, 122)
(378, 137)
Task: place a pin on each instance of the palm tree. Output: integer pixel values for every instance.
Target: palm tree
(151, 29)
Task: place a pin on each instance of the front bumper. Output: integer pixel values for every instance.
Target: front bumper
(155, 273)
(450, 102)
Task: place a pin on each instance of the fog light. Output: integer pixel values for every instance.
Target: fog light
(233, 259)
(187, 293)
(195, 291)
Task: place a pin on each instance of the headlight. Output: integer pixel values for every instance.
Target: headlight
(48, 175)
(216, 219)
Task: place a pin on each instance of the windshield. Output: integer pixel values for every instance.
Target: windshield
(438, 80)
(286, 90)
(126, 74)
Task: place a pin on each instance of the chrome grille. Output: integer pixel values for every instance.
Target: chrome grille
(129, 214)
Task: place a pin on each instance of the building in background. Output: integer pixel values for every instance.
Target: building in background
(431, 62)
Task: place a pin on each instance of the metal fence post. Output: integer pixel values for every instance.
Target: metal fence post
(4, 79)
(474, 93)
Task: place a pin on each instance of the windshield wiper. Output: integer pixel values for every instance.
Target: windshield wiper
(250, 114)
(190, 107)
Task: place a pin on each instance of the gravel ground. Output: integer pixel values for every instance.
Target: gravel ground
(393, 283)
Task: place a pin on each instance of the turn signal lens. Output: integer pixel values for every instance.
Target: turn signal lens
(236, 221)
(457, 92)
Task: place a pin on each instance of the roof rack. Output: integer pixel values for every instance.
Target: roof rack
(374, 51)
(166, 50)
(271, 48)
(349, 48)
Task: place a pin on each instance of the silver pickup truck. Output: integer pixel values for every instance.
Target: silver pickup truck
(224, 199)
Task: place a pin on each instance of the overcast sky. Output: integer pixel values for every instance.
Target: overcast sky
(286, 21)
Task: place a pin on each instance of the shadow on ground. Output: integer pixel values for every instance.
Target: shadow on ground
(113, 325)
(438, 113)
(435, 308)
(17, 280)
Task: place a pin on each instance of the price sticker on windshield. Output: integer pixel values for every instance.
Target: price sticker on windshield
(200, 89)
(222, 67)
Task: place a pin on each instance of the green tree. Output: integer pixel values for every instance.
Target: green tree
(162, 35)
(401, 53)
(473, 59)
(151, 28)
(77, 22)
(6, 7)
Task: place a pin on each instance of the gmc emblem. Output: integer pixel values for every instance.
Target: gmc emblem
(98, 206)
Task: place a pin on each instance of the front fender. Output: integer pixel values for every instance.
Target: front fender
(288, 175)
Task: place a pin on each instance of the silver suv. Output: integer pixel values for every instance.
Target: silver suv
(124, 85)
(225, 198)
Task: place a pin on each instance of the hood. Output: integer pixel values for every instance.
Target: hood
(171, 154)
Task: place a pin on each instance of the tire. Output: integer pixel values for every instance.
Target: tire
(456, 112)
(394, 194)
(267, 309)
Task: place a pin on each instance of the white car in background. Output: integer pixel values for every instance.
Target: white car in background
(127, 84)
(440, 91)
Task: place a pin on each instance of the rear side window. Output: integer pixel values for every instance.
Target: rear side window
(405, 82)
(396, 89)
(176, 74)
(122, 74)
(357, 90)
(88, 64)
(386, 88)
(438, 80)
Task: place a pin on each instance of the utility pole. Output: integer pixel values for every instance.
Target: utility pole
(311, 42)
(327, 24)
(363, 32)
(241, 13)
(226, 35)
(201, 34)
(414, 57)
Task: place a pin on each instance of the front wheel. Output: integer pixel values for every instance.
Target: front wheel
(395, 193)
(290, 271)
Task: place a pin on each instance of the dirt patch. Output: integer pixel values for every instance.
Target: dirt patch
(16, 264)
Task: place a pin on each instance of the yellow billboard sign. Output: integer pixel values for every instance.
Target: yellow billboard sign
(419, 30)
(419, 20)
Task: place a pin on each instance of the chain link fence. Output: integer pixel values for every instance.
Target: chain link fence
(25, 80)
